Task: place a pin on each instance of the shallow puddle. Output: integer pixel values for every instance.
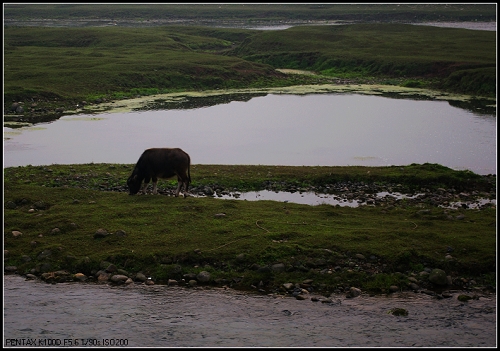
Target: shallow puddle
(312, 198)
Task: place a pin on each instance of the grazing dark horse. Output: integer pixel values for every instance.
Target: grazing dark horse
(160, 163)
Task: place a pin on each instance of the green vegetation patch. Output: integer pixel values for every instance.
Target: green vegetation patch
(59, 209)
(254, 177)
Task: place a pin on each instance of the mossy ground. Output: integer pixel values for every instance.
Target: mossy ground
(167, 237)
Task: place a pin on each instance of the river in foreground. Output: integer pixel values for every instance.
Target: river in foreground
(158, 315)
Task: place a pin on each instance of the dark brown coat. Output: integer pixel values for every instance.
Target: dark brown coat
(160, 163)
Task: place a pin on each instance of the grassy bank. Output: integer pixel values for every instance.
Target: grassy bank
(253, 177)
(50, 70)
(457, 60)
(242, 244)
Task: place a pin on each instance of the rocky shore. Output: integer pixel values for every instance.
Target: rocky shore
(422, 279)
(386, 196)
(434, 282)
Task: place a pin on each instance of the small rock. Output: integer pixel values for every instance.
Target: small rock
(140, 277)
(353, 292)
(189, 276)
(100, 233)
(122, 271)
(80, 277)
(393, 289)
(278, 267)
(14, 106)
(10, 269)
(103, 276)
(203, 276)
(119, 278)
(413, 286)
(111, 268)
(121, 233)
(438, 277)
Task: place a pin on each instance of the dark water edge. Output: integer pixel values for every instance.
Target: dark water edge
(475, 105)
(154, 316)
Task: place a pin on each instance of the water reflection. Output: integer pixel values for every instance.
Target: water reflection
(187, 103)
(309, 130)
(314, 199)
(305, 198)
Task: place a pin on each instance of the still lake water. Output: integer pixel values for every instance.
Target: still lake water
(293, 130)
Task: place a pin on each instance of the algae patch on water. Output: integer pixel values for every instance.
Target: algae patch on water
(142, 102)
(14, 125)
(82, 119)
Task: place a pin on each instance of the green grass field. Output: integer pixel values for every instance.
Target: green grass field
(167, 237)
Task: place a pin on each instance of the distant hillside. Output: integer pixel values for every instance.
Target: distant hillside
(251, 13)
